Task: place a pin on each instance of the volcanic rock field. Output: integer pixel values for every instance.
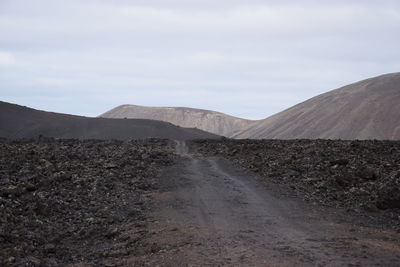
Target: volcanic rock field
(89, 203)
(68, 202)
(361, 176)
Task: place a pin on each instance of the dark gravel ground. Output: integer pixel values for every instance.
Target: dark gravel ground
(71, 202)
(88, 203)
(360, 176)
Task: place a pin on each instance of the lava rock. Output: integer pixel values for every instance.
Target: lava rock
(65, 202)
(350, 174)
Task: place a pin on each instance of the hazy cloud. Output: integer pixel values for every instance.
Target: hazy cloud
(248, 58)
(6, 59)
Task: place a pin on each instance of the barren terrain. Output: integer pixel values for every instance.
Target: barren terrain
(365, 110)
(22, 122)
(210, 121)
(76, 203)
(210, 213)
(202, 203)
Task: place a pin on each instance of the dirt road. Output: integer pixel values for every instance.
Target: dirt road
(211, 214)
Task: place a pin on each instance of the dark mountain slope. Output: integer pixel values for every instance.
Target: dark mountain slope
(22, 122)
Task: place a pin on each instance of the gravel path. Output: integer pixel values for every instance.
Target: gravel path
(211, 214)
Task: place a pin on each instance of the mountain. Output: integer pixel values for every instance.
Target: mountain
(23, 122)
(206, 120)
(369, 109)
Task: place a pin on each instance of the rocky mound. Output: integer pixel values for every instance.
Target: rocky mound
(359, 175)
(22, 122)
(364, 110)
(206, 120)
(76, 202)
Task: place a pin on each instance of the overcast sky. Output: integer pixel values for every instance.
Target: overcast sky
(246, 58)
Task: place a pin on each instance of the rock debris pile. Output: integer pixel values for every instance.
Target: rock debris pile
(359, 175)
(75, 202)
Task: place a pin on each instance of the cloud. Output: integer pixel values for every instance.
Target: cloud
(243, 57)
(75, 18)
(7, 59)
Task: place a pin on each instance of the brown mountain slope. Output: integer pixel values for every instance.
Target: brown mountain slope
(206, 120)
(22, 122)
(369, 109)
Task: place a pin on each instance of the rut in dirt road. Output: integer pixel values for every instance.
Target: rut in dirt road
(212, 214)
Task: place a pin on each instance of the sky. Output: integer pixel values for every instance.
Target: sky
(247, 58)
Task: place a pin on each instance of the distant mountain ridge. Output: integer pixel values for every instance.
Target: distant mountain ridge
(206, 120)
(369, 109)
(22, 122)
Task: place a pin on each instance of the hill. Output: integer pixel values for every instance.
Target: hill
(369, 109)
(206, 120)
(23, 122)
